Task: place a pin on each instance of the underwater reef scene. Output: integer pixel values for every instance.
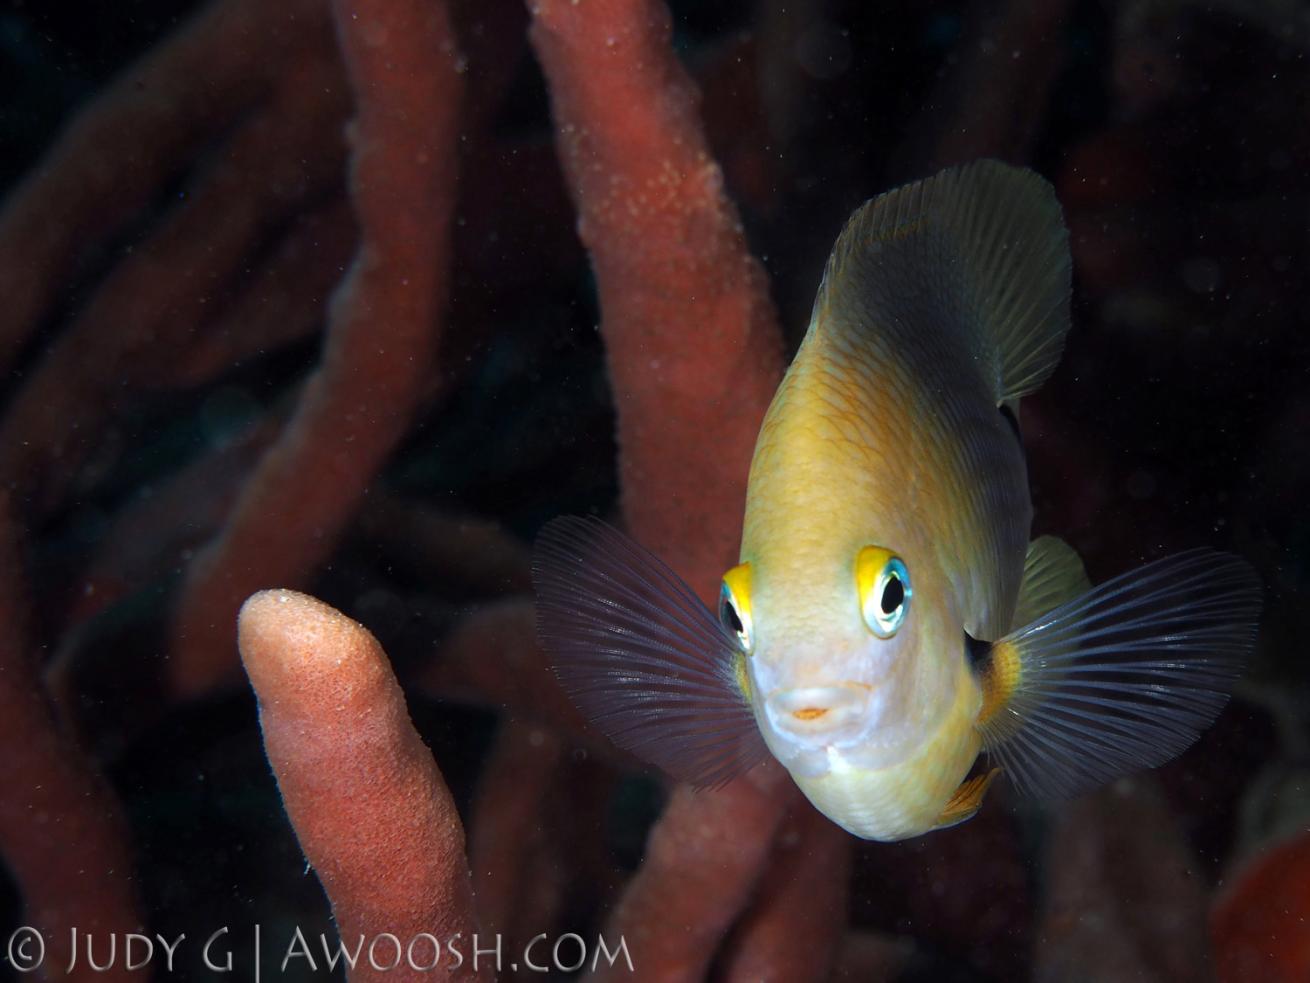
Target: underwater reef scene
(348, 299)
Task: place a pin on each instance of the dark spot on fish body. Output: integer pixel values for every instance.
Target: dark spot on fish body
(976, 651)
(1007, 411)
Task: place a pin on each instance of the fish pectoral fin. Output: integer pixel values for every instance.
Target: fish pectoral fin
(1052, 575)
(967, 800)
(640, 655)
(1122, 678)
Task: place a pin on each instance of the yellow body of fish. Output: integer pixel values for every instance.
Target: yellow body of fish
(843, 462)
(889, 619)
(880, 434)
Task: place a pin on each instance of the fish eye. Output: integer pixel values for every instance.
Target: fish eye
(883, 581)
(734, 605)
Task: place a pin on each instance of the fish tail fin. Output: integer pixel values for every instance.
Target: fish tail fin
(1121, 679)
(980, 250)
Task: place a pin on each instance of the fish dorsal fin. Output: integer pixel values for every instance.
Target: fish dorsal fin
(1123, 678)
(980, 251)
(1052, 575)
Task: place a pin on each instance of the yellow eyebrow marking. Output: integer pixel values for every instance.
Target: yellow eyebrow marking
(869, 563)
(738, 580)
(736, 590)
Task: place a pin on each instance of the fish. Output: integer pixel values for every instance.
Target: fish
(892, 634)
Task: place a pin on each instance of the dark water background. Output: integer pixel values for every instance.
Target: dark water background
(1177, 135)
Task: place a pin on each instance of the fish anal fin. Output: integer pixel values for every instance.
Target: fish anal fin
(1052, 575)
(967, 800)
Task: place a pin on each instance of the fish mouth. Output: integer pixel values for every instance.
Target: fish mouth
(826, 714)
(805, 725)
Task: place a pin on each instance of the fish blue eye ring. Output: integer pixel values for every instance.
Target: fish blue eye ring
(883, 581)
